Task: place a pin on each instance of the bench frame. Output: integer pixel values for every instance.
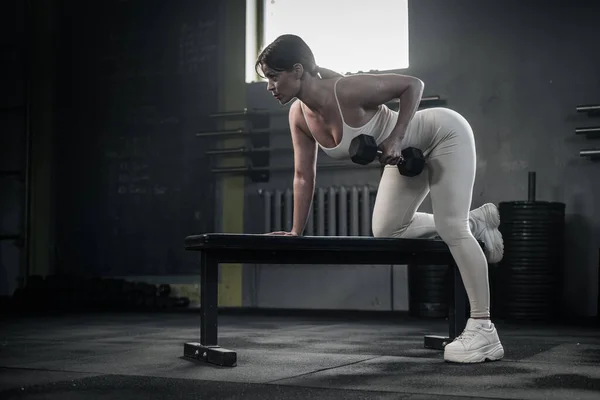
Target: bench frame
(215, 249)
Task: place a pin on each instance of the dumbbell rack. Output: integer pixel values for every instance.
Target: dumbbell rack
(257, 149)
(256, 133)
(590, 132)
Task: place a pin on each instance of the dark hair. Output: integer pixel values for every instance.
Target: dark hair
(284, 52)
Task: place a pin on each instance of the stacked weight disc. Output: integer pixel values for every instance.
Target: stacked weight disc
(428, 285)
(531, 269)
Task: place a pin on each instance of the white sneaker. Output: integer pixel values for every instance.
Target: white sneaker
(477, 343)
(484, 222)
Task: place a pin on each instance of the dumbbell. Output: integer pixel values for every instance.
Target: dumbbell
(363, 150)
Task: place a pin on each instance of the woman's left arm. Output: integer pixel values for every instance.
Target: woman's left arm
(372, 90)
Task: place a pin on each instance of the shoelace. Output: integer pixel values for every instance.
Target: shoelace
(466, 336)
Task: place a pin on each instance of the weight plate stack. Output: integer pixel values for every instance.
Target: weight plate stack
(428, 290)
(531, 269)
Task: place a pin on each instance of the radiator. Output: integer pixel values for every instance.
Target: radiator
(335, 211)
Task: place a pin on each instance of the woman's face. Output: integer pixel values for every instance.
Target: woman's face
(283, 85)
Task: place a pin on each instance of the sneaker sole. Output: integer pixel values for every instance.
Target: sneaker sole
(494, 242)
(492, 352)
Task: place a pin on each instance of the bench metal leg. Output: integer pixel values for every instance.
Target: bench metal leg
(208, 349)
(457, 311)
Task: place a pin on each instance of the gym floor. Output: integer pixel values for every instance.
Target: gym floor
(139, 356)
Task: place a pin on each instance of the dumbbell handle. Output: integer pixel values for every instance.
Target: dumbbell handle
(379, 153)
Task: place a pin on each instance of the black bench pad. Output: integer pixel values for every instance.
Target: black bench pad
(231, 247)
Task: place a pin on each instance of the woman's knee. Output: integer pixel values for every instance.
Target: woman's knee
(387, 227)
(452, 230)
(380, 229)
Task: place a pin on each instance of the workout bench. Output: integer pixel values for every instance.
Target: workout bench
(216, 248)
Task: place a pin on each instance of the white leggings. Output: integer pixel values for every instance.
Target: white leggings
(449, 176)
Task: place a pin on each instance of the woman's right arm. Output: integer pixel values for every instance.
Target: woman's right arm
(305, 167)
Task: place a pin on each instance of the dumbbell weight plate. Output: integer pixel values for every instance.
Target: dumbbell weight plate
(413, 162)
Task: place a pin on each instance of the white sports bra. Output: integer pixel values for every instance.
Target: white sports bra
(380, 127)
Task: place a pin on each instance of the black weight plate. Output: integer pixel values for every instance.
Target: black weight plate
(532, 292)
(541, 262)
(529, 263)
(556, 246)
(521, 238)
(430, 293)
(530, 233)
(532, 287)
(545, 233)
(531, 210)
(526, 239)
(523, 253)
(421, 293)
(524, 304)
(517, 266)
(530, 251)
(530, 301)
(432, 268)
(521, 284)
(530, 256)
(531, 259)
(525, 273)
(536, 314)
(531, 220)
(532, 224)
(511, 212)
(433, 305)
(529, 275)
(530, 317)
(430, 274)
(530, 243)
(544, 259)
(511, 273)
(526, 205)
(534, 252)
(510, 246)
(432, 280)
(510, 270)
(528, 306)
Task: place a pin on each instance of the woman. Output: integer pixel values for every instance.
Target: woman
(332, 109)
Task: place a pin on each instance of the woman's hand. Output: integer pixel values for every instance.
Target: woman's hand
(281, 233)
(391, 150)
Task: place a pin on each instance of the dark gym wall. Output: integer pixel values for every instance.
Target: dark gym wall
(27, 115)
(138, 80)
(13, 111)
(516, 70)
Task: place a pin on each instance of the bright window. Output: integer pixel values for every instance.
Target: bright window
(345, 36)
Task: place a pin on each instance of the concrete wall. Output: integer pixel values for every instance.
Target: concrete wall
(516, 70)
